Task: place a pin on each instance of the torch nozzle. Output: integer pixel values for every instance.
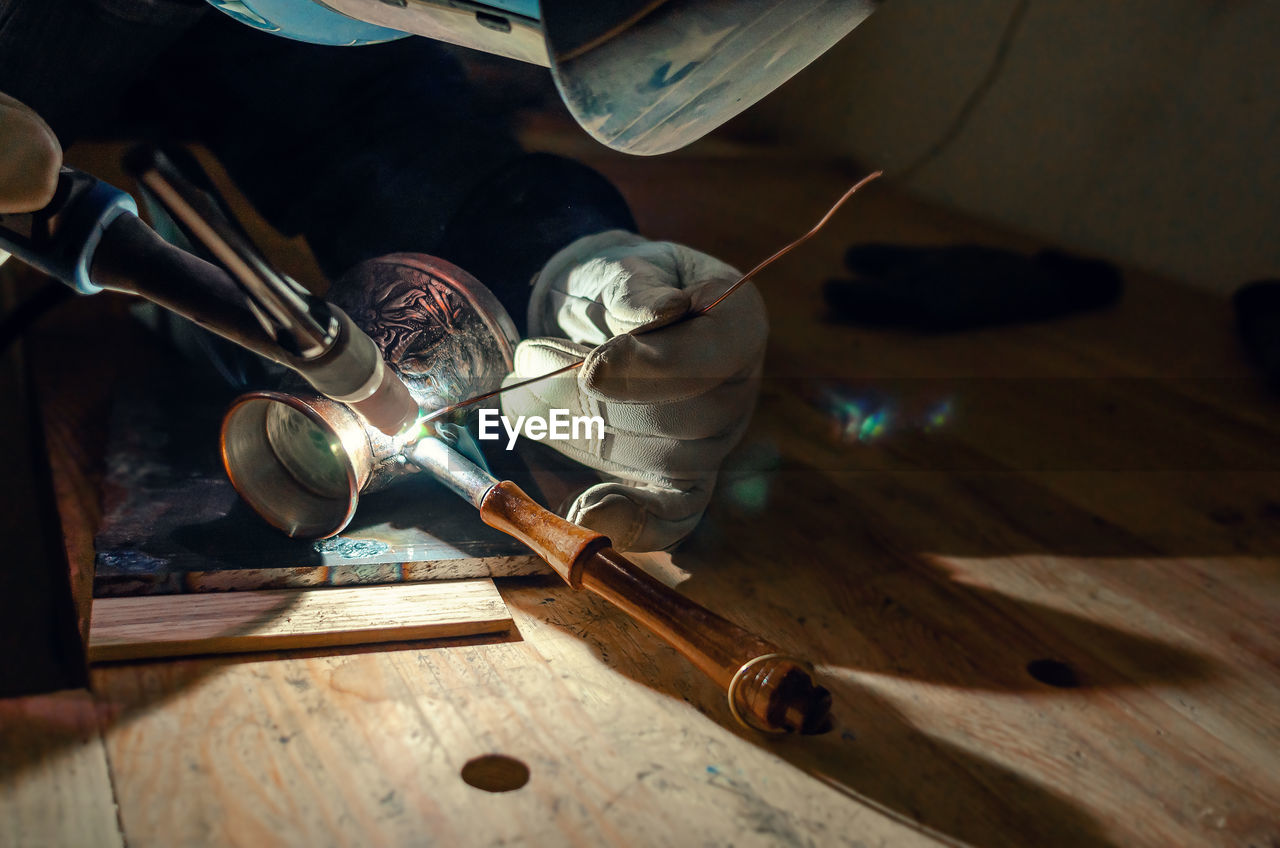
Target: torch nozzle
(390, 408)
(353, 372)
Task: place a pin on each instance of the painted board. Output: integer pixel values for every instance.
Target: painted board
(171, 521)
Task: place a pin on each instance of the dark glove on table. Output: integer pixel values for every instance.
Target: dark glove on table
(1258, 321)
(964, 286)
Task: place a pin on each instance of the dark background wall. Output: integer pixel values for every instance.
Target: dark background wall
(1147, 131)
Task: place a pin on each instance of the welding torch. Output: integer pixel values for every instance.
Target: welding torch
(90, 237)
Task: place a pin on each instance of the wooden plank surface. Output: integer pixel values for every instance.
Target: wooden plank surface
(41, 640)
(354, 750)
(55, 788)
(286, 619)
(1050, 620)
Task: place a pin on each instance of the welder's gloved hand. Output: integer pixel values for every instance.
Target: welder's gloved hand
(674, 400)
(30, 157)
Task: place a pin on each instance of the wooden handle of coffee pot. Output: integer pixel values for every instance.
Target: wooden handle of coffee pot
(767, 690)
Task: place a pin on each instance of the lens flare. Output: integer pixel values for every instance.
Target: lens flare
(866, 415)
(939, 416)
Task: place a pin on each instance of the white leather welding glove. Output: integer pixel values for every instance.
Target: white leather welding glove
(30, 157)
(674, 400)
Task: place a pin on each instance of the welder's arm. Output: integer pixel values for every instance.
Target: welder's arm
(674, 400)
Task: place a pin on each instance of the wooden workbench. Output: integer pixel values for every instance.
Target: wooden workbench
(1050, 617)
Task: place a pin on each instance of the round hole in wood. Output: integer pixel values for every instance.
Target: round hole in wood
(1053, 673)
(495, 773)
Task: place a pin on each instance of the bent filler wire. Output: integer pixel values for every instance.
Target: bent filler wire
(444, 411)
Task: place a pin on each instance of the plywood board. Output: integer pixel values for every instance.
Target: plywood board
(281, 619)
(55, 786)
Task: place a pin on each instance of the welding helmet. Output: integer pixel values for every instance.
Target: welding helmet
(641, 76)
